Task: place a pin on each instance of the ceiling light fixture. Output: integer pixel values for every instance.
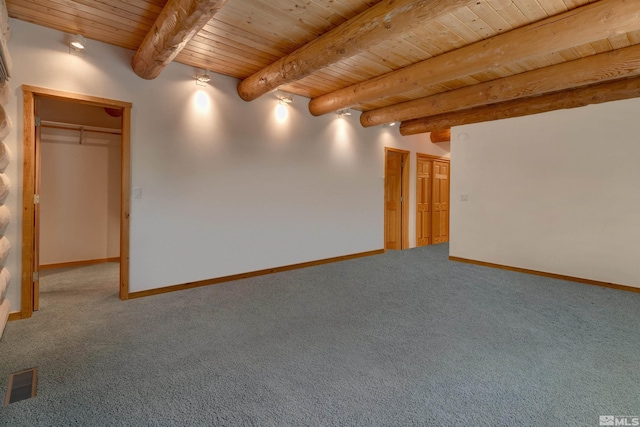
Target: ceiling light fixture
(345, 112)
(284, 100)
(388, 125)
(203, 79)
(281, 109)
(77, 45)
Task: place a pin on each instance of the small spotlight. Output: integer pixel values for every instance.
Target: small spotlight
(388, 125)
(281, 109)
(203, 79)
(284, 100)
(77, 44)
(345, 112)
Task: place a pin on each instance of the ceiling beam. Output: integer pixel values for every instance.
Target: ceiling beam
(594, 69)
(176, 25)
(387, 19)
(593, 22)
(572, 98)
(437, 136)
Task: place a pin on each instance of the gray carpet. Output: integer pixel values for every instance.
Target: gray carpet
(404, 338)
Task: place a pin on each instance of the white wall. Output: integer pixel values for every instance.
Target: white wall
(226, 187)
(79, 196)
(557, 192)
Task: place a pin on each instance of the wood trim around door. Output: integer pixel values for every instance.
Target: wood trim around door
(431, 157)
(28, 211)
(406, 160)
(28, 186)
(125, 201)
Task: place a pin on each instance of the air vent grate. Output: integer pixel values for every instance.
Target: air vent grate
(21, 386)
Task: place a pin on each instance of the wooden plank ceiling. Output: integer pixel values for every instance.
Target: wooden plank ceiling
(457, 56)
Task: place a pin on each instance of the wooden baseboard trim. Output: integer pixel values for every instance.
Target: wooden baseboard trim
(551, 275)
(14, 316)
(208, 282)
(78, 263)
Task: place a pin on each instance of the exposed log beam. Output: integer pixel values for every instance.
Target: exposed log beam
(176, 25)
(573, 98)
(386, 19)
(586, 24)
(594, 69)
(440, 135)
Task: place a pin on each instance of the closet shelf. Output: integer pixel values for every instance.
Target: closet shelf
(71, 126)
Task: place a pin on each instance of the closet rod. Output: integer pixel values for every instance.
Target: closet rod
(71, 126)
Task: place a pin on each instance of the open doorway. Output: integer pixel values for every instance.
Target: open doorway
(75, 186)
(78, 180)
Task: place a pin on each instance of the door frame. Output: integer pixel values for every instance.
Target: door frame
(404, 204)
(439, 159)
(30, 93)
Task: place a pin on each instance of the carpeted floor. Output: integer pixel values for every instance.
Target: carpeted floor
(404, 338)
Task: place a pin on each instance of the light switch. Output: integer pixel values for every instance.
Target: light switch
(137, 193)
(464, 197)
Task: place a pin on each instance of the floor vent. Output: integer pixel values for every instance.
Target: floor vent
(22, 385)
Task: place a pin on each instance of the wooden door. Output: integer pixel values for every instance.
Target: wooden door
(423, 202)
(393, 200)
(440, 202)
